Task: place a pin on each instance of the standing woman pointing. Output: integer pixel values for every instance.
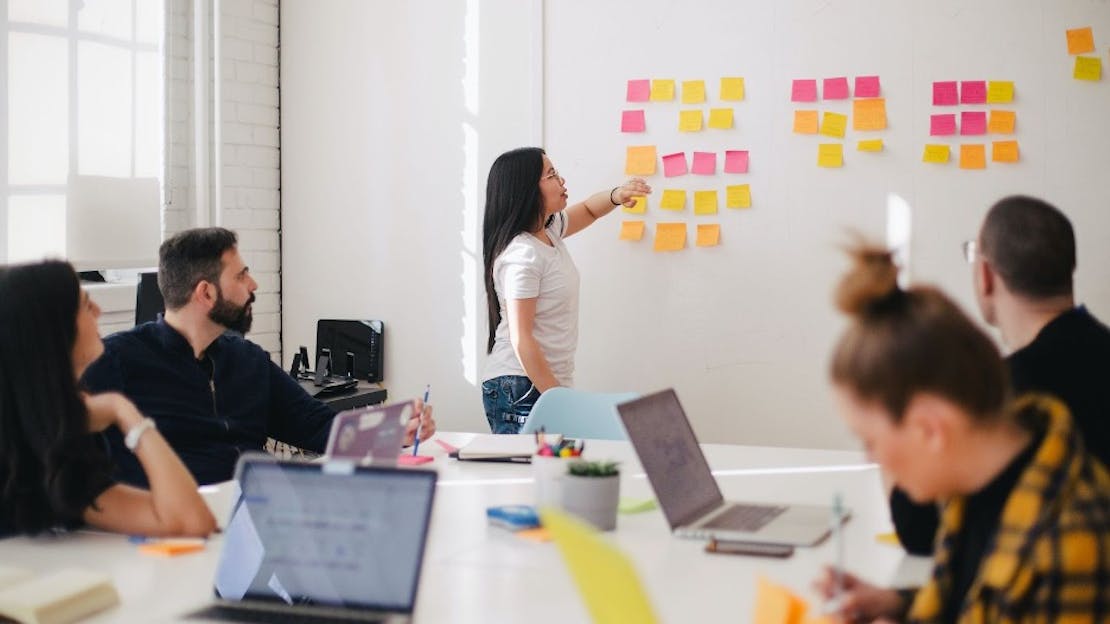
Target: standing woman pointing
(531, 280)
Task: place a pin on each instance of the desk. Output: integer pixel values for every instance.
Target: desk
(363, 394)
(477, 573)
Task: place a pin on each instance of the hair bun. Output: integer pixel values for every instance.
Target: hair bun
(871, 281)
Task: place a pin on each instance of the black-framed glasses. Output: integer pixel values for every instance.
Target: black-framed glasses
(971, 250)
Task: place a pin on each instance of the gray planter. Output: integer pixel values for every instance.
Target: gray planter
(593, 499)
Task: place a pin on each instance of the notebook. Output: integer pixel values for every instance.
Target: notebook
(518, 447)
(688, 493)
(371, 435)
(55, 598)
(332, 541)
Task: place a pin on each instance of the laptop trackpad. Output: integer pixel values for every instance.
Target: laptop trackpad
(746, 518)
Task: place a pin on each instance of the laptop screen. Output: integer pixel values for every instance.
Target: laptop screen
(327, 534)
(670, 454)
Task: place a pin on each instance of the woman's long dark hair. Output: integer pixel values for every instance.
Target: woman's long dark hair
(513, 205)
(50, 465)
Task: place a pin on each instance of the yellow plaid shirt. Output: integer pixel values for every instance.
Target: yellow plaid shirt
(1050, 559)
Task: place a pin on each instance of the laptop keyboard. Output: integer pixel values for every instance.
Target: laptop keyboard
(237, 614)
(749, 518)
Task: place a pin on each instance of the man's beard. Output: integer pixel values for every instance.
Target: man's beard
(236, 318)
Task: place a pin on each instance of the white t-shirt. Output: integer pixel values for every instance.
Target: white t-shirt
(530, 268)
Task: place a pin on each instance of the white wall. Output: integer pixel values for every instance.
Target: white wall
(383, 156)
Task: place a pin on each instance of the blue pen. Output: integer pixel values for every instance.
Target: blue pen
(416, 441)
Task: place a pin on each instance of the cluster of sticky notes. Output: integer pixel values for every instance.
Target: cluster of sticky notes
(731, 89)
(777, 604)
(704, 163)
(671, 236)
(868, 114)
(972, 122)
(1081, 42)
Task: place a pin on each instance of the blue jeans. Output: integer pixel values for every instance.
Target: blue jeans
(508, 401)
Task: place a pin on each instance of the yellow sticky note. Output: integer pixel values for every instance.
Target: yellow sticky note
(935, 154)
(689, 120)
(732, 89)
(705, 202)
(870, 145)
(1001, 122)
(1004, 151)
(640, 207)
(720, 118)
(1088, 68)
(775, 604)
(604, 575)
(738, 196)
(1000, 91)
(869, 114)
(973, 156)
(1081, 40)
(693, 91)
(709, 234)
(632, 230)
(805, 121)
(662, 90)
(670, 236)
(673, 199)
(890, 539)
(640, 160)
(830, 155)
(834, 124)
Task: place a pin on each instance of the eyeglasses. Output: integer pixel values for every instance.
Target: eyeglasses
(971, 250)
(554, 174)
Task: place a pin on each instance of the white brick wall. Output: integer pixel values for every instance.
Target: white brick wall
(250, 194)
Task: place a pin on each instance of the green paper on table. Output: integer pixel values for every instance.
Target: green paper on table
(636, 505)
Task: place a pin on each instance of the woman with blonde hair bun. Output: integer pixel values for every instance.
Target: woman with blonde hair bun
(1025, 526)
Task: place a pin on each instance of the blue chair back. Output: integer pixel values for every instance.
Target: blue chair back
(578, 414)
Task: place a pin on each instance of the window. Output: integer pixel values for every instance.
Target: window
(82, 108)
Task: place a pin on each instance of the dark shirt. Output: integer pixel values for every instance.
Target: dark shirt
(209, 410)
(1069, 358)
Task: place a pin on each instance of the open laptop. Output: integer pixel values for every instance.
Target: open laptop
(371, 435)
(328, 542)
(688, 493)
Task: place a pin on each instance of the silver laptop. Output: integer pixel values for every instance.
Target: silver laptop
(328, 542)
(688, 493)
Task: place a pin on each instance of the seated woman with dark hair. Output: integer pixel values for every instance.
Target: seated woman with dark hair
(54, 471)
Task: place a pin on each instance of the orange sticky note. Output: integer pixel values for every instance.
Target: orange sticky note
(936, 154)
(973, 156)
(1001, 122)
(640, 160)
(775, 604)
(670, 236)
(689, 120)
(834, 124)
(709, 234)
(662, 90)
(693, 91)
(1081, 40)
(805, 121)
(830, 155)
(738, 196)
(632, 230)
(1005, 151)
(172, 547)
(869, 114)
(705, 202)
(538, 534)
(732, 89)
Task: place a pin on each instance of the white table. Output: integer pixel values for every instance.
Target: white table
(477, 573)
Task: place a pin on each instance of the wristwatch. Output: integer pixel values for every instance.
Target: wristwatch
(131, 440)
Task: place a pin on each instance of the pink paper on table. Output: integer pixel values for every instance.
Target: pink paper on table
(804, 91)
(973, 92)
(736, 161)
(639, 90)
(945, 94)
(674, 165)
(867, 86)
(632, 121)
(973, 122)
(705, 163)
(940, 125)
(836, 88)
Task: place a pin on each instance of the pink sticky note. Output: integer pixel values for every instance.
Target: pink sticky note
(940, 125)
(736, 161)
(639, 90)
(804, 91)
(867, 86)
(674, 164)
(973, 122)
(632, 121)
(945, 94)
(973, 92)
(836, 88)
(705, 163)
